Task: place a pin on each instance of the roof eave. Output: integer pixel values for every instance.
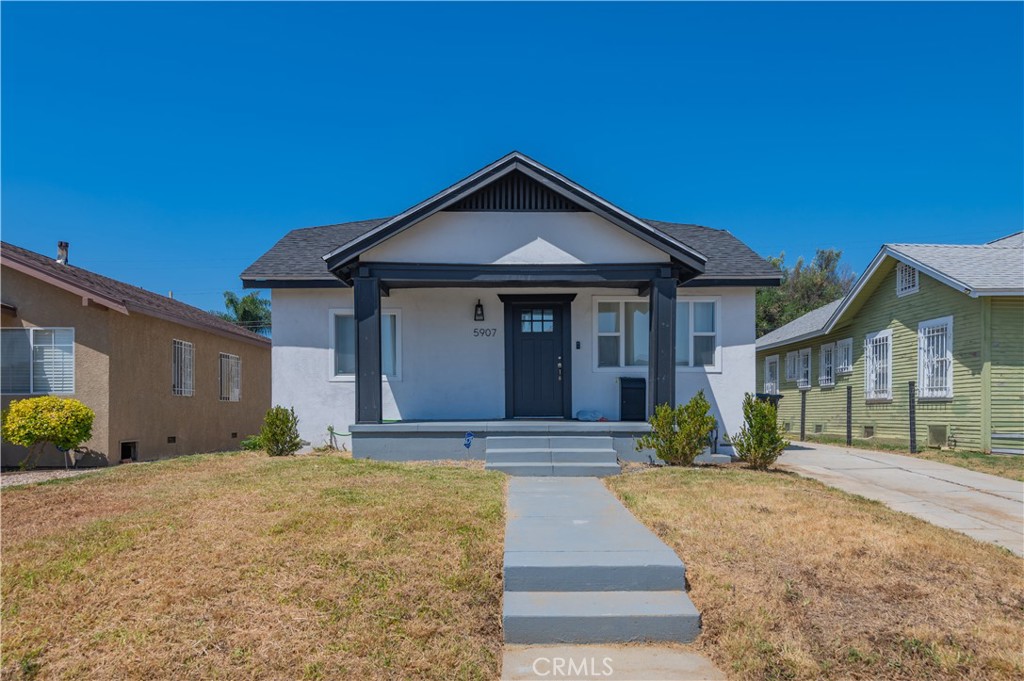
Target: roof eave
(12, 261)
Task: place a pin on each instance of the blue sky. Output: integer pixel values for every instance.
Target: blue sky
(173, 143)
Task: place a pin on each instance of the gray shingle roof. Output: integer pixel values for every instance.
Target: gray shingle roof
(299, 254)
(132, 298)
(990, 267)
(809, 324)
(1016, 240)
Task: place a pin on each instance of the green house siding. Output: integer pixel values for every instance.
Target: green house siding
(962, 415)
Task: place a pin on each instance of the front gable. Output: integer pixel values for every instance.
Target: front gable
(515, 210)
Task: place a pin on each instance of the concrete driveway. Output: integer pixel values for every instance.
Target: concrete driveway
(986, 507)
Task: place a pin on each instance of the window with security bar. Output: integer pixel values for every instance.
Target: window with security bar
(182, 363)
(844, 356)
(906, 279)
(803, 379)
(38, 361)
(826, 369)
(791, 366)
(935, 358)
(771, 375)
(230, 377)
(878, 365)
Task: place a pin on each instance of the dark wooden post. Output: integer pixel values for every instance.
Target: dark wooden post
(367, 317)
(803, 415)
(913, 417)
(849, 415)
(661, 367)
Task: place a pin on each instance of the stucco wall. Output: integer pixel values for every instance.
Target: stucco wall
(448, 373)
(515, 238)
(144, 409)
(43, 305)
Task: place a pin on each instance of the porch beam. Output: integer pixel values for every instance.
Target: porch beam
(368, 370)
(401, 275)
(661, 367)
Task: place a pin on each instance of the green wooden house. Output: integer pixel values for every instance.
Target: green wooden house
(949, 318)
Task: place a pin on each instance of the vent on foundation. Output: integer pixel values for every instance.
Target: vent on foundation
(234, 436)
(129, 451)
(869, 431)
(171, 439)
(818, 428)
(938, 436)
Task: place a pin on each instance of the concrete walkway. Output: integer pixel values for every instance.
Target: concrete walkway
(986, 507)
(581, 570)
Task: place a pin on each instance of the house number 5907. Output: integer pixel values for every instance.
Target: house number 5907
(478, 332)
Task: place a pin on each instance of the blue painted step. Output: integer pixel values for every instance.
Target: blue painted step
(641, 570)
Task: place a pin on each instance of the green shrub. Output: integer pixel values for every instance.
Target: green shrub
(61, 421)
(280, 433)
(759, 441)
(251, 443)
(678, 435)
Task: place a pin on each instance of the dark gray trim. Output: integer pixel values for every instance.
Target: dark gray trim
(564, 300)
(369, 408)
(347, 253)
(734, 281)
(412, 275)
(661, 367)
(294, 283)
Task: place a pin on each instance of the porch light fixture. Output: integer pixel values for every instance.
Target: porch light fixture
(478, 312)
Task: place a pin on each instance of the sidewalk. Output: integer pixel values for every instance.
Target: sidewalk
(985, 507)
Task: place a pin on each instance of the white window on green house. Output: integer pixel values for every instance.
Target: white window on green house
(878, 365)
(844, 356)
(935, 358)
(343, 345)
(771, 375)
(792, 362)
(230, 378)
(37, 361)
(826, 368)
(182, 366)
(803, 378)
(906, 279)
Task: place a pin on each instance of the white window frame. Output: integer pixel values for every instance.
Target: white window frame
(844, 346)
(350, 312)
(234, 364)
(803, 376)
(180, 369)
(870, 394)
(642, 369)
(31, 332)
(769, 387)
(908, 279)
(827, 365)
(792, 364)
(924, 391)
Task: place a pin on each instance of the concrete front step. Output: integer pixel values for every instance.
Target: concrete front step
(549, 442)
(599, 617)
(546, 455)
(594, 571)
(713, 458)
(566, 470)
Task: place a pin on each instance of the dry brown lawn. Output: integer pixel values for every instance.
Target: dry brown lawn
(241, 566)
(799, 581)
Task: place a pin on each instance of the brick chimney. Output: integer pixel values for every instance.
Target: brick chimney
(62, 252)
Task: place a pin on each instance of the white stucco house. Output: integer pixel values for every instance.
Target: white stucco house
(508, 303)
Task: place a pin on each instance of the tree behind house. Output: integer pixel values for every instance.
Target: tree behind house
(803, 288)
(250, 312)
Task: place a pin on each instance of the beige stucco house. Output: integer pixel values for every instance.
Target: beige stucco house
(163, 378)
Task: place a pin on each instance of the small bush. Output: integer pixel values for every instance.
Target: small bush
(679, 435)
(759, 441)
(61, 421)
(280, 433)
(251, 443)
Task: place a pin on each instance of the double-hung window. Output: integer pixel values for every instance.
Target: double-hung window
(803, 379)
(792, 362)
(771, 375)
(844, 356)
(878, 365)
(182, 368)
(37, 361)
(343, 344)
(906, 279)
(697, 333)
(935, 358)
(230, 378)
(826, 368)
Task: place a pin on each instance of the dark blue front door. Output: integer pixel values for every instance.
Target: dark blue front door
(537, 362)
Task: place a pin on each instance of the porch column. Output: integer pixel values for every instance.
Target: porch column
(661, 368)
(367, 316)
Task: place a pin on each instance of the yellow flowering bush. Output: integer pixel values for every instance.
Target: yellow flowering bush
(61, 421)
